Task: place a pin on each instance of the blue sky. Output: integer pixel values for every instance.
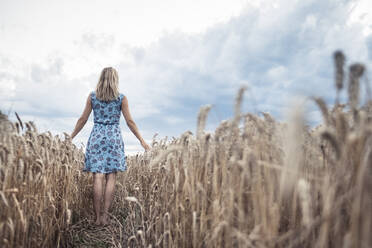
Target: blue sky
(174, 57)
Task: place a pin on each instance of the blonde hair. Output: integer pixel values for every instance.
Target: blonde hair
(108, 85)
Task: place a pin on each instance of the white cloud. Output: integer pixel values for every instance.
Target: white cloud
(51, 25)
(276, 49)
(7, 88)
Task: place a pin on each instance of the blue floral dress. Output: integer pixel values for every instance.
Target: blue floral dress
(105, 149)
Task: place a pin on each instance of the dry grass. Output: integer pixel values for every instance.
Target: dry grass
(254, 182)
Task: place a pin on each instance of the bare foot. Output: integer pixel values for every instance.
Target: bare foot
(97, 222)
(104, 220)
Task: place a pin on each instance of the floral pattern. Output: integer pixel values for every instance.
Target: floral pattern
(105, 149)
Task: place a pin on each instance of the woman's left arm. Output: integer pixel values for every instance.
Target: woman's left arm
(83, 118)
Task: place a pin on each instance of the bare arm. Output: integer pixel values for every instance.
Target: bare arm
(131, 124)
(83, 118)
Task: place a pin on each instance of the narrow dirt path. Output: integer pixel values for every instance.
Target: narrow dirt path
(85, 234)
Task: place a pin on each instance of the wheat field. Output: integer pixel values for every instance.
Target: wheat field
(254, 182)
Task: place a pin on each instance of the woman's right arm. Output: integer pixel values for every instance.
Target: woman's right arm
(131, 124)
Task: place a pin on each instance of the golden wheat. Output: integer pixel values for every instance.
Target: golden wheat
(254, 182)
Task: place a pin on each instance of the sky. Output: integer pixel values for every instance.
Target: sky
(174, 56)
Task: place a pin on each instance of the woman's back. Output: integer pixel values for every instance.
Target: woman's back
(105, 148)
(106, 112)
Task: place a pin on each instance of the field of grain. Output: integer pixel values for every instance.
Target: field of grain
(254, 182)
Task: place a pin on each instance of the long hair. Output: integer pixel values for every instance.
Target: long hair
(108, 85)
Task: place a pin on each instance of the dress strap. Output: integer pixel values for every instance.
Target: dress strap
(92, 96)
(121, 96)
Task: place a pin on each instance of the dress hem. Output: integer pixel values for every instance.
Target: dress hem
(103, 172)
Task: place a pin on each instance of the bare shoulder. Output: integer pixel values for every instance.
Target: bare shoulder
(124, 101)
(91, 96)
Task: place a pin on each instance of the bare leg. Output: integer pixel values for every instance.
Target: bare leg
(97, 195)
(109, 193)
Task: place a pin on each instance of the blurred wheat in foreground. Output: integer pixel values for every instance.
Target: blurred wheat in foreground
(259, 183)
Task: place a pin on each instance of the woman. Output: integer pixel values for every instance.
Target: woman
(104, 154)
